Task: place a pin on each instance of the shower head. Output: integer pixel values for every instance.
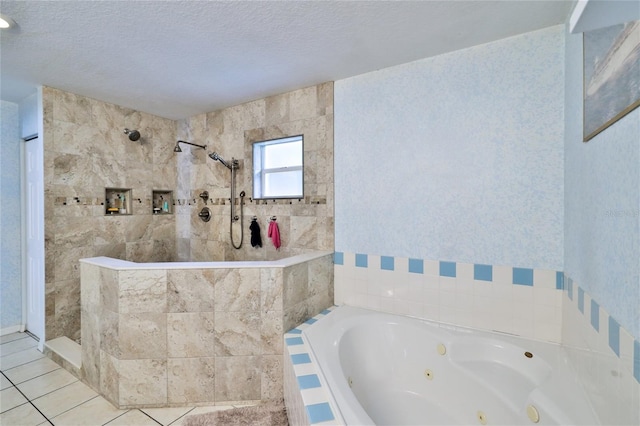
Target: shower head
(178, 149)
(215, 156)
(134, 135)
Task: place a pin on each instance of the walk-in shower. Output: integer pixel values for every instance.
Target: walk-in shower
(233, 166)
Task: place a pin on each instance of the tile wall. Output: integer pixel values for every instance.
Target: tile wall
(305, 224)
(86, 150)
(154, 338)
(604, 354)
(522, 301)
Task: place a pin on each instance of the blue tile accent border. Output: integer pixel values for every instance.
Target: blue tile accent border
(482, 272)
(416, 266)
(387, 263)
(338, 258)
(447, 269)
(523, 276)
(309, 381)
(319, 412)
(300, 359)
(570, 288)
(636, 360)
(581, 299)
(595, 315)
(362, 260)
(315, 398)
(559, 280)
(293, 341)
(614, 335)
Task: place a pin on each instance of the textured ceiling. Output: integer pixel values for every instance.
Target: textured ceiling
(180, 58)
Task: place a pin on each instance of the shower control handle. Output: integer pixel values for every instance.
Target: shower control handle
(205, 214)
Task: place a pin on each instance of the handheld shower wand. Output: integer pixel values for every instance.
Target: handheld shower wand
(214, 156)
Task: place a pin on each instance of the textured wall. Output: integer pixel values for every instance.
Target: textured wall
(305, 224)
(10, 218)
(601, 310)
(602, 203)
(457, 157)
(85, 150)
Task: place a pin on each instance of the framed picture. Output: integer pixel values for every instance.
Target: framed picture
(611, 75)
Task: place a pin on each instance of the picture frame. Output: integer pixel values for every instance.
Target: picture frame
(611, 70)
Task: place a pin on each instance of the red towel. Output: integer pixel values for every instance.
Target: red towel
(274, 234)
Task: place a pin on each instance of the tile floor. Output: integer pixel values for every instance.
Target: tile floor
(36, 391)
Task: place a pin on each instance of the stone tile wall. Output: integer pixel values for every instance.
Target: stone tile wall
(154, 338)
(305, 225)
(86, 150)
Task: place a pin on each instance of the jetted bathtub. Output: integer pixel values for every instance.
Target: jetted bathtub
(385, 369)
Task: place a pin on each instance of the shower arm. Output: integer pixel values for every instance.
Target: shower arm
(188, 143)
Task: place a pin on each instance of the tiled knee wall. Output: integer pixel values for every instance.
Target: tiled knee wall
(605, 356)
(522, 301)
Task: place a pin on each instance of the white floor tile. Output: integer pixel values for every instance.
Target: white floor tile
(11, 398)
(19, 358)
(64, 399)
(24, 415)
(4, 382)
(46, 383)
(133, 418)
(166, 416)
(96, 411)
(17, 346)
(30, 370)
(14, 336)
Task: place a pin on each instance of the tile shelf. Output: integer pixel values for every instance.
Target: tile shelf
(162, 202)
(117, 201)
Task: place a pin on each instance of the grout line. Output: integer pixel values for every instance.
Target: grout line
(25, 397)
(147, 416)
(182, 416)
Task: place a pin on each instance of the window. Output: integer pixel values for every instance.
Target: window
(277, 168)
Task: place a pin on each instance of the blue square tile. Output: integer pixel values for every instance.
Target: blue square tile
(636, 360)
(523, 276)
(338, 258)
(309, 381)
(614, 335)
(300, 359)
(294, 331)
(447, 269)
(319, 412)
(292, 341)
(361, 260)
(559, 280)
(570, 288)
(416, 266)
(311, 321)
(595, 315)
(581, 299)
(325, 312)
(483, 272)
(386, 263)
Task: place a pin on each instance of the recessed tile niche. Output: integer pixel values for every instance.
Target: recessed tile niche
(117, 201)
(162, 201)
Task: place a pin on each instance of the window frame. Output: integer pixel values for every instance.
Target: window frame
(263, 172)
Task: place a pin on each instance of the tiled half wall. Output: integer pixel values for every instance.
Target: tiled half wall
(522, 301)
(194, 335)
(605, 356)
